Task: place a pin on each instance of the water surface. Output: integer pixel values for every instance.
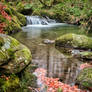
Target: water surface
(46, 55)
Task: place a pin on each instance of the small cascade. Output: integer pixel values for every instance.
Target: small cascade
(37, 20)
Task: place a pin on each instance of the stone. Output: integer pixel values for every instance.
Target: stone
(86, 55)
(84, 79)
(47, 41)
(14, 56)
(74, 41)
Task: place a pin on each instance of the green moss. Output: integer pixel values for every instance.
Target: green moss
(2, 19)
(8, 10)
(59, 90)
(10, 44)
(27, 53)
(17, 20)
(11, 83)
(19, 60)
(12, 28)
(13, 55)
(28, 79)
(20, 7)
(85, 78)
(1, 41)
(3, 57)
(86, 54)
(25, 9)
(27, 6)
(75, 41)
(21, 18)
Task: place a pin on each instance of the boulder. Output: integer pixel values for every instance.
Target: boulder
(14, 56)
(85, 78)
(86, 55)
(74, 41)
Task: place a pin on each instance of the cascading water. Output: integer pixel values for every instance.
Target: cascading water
(37, 20)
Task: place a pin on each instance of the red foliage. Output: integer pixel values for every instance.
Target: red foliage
(85, 65)
(2, 25)
(5, 77)
(5, 15)
(53, 84)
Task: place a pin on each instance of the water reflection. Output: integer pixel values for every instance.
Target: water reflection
(33, 33)
(56, 63)
(47, 56)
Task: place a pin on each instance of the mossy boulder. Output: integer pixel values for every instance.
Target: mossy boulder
(86, 55)
(74, 41)
(85, 78)
(14, 56)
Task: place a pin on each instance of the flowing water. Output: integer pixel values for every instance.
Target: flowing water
(46, 55)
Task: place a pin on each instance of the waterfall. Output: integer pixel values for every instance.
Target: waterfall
(37, 20)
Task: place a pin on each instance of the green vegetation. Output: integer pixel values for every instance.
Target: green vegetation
(86, 55)
(77, 12)
(70, 11)
(9, 83)
(15, 69)
(28, 79)
(15, 58)
(17, 19)
(85, 78)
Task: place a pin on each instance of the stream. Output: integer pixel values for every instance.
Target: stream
(45, 55)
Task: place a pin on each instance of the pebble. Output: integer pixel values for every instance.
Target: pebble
(47, 41)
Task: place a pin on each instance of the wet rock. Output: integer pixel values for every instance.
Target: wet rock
(47, 41)
(85, 78)
(86, 55)
(14, 56)
(74, 41)
(75, 52)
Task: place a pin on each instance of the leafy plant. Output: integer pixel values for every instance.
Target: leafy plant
(5, 15)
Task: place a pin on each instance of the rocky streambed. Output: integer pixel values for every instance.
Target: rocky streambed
(65, 59)
(83, 44)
